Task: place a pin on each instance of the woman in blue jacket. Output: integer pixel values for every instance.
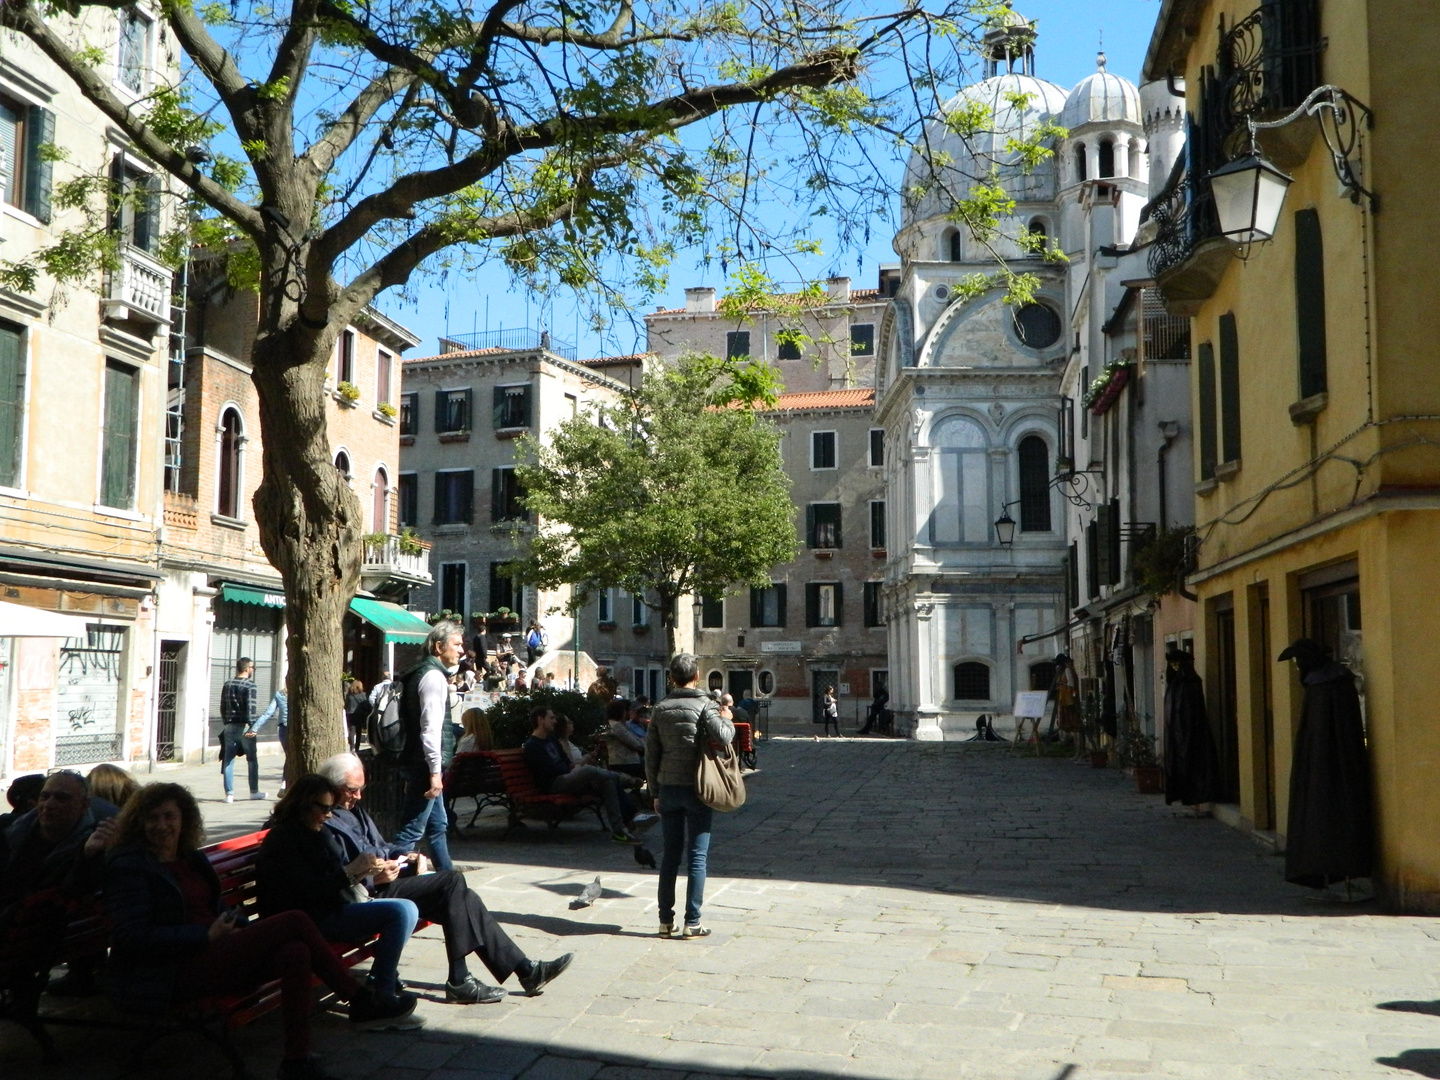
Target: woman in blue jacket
(173, 940)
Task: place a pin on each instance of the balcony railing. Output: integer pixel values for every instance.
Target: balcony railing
(139, 288)
(181, 511)
(390, 560)
(1184, 217)
(516, 339)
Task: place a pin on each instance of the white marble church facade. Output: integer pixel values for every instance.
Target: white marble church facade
(968, 392)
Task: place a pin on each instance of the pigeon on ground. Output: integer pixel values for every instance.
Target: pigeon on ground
(644, 858)
(590, 893)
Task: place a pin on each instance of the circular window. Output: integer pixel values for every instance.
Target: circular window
(941, 293)
(1037, 326)
(766, 683)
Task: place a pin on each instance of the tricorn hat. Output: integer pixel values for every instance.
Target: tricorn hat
(1307, 650)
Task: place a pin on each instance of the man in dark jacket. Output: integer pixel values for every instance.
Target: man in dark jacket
(429, 743)
(556, 774)
(442, 897)
(237, 735)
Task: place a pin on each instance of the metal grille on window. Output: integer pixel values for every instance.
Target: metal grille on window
(972, 682)
(167, 700)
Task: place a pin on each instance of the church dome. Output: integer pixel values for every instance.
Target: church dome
(1101, 98)
(962, 162)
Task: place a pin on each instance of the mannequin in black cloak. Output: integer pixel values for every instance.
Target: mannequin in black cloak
(1330, 835)
(1192, 767)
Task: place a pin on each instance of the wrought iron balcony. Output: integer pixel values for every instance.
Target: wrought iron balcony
(139, 288)
(395, 561)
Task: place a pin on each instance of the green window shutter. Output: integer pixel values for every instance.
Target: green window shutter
(117, 468)
(442, 417)
(780, 604)
(497, 494)
(810, 525)
(467, 496)
(757, 606)
(1104, 572)
(497, 408)
(1092, 561)
(147, 215)
(117, 192)
(1207, 411)
(439, 498)
(712, 612)
(467, 417)
(12, 405)
(1310, 302)
(839, 542)
(839, 604)
(1113, 537)
(525, 408)
(39, 131)
(812, 604)
(1229, 388)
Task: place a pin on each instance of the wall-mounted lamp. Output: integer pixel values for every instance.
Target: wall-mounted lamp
(1250, 191)
(1005, 525)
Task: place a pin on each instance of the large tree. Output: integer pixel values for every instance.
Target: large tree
(335, 147)
(673, 490)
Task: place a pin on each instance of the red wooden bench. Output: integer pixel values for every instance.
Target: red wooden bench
(744, 744)
(477, 776)
(524, 799)
(212, 1018)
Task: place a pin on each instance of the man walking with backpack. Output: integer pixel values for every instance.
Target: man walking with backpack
(429, 743)
(237, 735)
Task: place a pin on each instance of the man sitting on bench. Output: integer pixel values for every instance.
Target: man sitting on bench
(442, 897)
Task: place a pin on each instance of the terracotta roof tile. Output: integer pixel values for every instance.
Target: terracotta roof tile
(461, 355)
(628, 358)
(825, 399)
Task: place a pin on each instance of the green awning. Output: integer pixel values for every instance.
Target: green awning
(246, 594)
(397, 624)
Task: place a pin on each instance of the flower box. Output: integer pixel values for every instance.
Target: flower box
(1105, 397)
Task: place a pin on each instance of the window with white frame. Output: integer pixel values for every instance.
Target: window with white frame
(380, 508)
(877, 447)
(133, 56)
(454, 496)
(823, 450)
(877, 523)
(384, 366)
(639, 610)
(135, 215)
(605, 607)
(25, 171)
(345, 357)
(229, 475)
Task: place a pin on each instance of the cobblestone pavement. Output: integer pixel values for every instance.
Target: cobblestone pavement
(897, 911)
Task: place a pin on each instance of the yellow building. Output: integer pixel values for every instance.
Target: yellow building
(1316, 395)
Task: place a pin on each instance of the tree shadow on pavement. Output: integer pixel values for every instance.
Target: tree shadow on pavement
(960, 819)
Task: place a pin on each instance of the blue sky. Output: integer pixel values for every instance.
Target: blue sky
(1070, 33)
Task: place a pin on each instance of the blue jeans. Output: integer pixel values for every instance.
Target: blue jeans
(233, 744)
(423, 818)
(686, 823)
(392, 920)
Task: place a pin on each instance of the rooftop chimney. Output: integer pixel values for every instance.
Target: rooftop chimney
(837, 290)
(700, 300)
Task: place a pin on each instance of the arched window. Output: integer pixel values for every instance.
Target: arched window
(952, 245)
(1042, 675)
(972, 681)
(1107, 158)
(1034, 485)
(1038, 235)
(716, 681)
(1080, 162)
(380, 522)
(232, 438)
(342, 463)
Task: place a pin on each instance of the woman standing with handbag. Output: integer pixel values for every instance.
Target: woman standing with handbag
(672, 756)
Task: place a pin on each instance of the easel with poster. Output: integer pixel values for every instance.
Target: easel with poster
(1030, 707)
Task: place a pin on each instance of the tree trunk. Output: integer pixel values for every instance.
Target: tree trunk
(310, 528)
(667, 620)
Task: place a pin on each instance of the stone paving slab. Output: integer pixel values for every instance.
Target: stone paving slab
(883, 910)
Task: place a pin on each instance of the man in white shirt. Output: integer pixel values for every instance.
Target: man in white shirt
(429, 743)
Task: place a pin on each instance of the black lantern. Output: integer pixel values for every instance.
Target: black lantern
(1249, 192)
(1005, 527)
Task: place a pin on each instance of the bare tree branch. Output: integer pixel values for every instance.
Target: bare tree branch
(350, 123)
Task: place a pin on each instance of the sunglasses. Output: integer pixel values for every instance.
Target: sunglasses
(326, 808)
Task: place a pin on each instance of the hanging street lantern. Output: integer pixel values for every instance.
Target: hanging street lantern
(1249, 193)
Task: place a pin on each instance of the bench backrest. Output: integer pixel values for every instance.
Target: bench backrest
(234, 863)
(475, 772)
(519, 781)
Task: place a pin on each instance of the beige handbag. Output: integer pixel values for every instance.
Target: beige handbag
(718, 783)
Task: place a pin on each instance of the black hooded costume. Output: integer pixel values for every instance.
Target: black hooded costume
(1192, 767)
(1330, 835)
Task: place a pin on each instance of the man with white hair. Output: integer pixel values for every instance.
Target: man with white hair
(442, 897)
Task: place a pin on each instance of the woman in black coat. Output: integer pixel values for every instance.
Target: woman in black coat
(300, 868)
(173, 940)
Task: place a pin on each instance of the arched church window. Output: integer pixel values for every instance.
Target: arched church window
(952, 245)
(1034, 484)
(1107, 158)
(380, 512)
(232, 436)
(1037, 326)
(961, 482)
(1080, 162)
(972, 681)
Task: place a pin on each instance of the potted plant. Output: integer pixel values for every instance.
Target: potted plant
(387, 410)
(408, 542)
(1137, 753)
(348, 392)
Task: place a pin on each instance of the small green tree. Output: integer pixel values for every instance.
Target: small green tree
(674, 490)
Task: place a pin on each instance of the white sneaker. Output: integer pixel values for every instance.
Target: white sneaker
(257, 794)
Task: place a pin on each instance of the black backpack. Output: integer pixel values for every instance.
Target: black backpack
(387, 725)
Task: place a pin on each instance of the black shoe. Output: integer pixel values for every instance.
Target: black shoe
(400, 986)
(544, 971)
(372, 1012)
(304, 1069)
(473, 992)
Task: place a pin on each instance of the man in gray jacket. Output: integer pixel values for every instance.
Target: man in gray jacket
(671, 759)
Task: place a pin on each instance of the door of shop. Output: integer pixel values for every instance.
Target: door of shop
(243, 629)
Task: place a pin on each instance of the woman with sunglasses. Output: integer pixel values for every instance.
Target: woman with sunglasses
(175, 941)
(299, 869)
